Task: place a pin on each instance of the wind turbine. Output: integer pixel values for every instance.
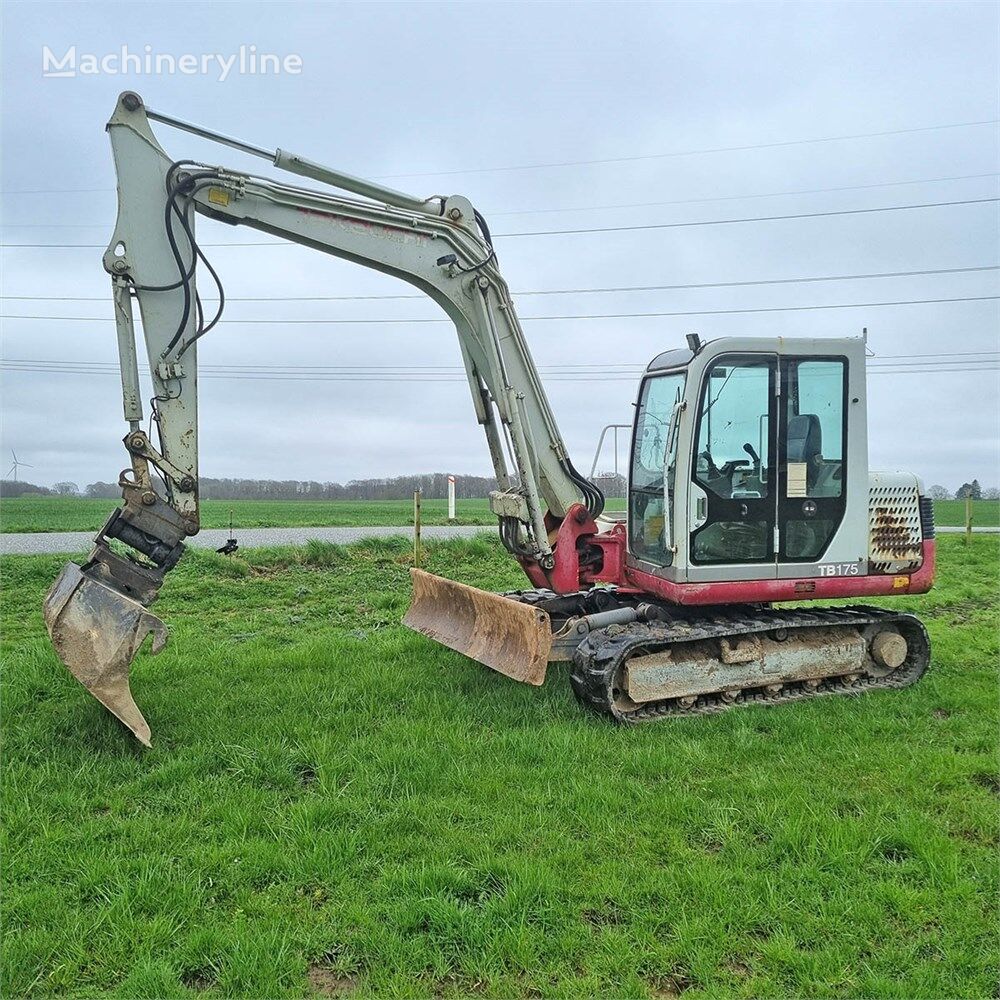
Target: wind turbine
(17, 465)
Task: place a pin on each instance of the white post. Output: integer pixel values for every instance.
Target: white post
(451, 498)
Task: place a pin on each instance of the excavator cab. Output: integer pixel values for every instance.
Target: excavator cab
(748, 458)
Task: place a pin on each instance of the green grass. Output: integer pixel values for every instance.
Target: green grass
(985, 513)
(79, 514)
(335, 805)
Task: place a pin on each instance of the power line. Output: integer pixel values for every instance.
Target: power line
(878, 361)
(614, 159)
(985, 365)
(112, 372)
(577, 232)
(602, 208)
(939, 354)
(538, 319)
(694, 152)
(19, 191)
(738, 197)
(550, 291)
(760, 218)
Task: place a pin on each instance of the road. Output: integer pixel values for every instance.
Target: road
(53, 542)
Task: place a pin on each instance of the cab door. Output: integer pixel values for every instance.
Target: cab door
(812, 442)
(653, 469)
(733, 495)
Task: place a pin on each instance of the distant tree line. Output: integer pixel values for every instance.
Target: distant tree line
(17, 488)
(611, 484)
(434, 486)
(9, 488)
(972, 490)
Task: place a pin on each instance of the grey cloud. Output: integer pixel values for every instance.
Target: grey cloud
(400, 89)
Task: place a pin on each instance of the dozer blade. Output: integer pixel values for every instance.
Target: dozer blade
(97, 632)
(512, 638)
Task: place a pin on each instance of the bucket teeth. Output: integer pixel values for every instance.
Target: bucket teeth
(512, 638)
(96, 632)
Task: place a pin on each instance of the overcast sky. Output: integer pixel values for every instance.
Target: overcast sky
(453, 97)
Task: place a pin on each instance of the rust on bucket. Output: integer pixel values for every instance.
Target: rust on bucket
(96, 632)
(512, 638)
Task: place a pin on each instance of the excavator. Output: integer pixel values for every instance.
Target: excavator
(748, 487)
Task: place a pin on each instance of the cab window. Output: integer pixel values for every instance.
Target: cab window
(733, 462)
(651, 480)
(812, 498)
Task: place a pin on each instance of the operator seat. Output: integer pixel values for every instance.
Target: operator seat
(805, 444)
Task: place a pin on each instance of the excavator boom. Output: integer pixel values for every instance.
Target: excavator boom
(97, 614)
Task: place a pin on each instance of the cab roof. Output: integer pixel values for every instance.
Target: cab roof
(671, 359)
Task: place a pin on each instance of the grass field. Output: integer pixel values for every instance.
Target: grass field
(335, 806)
(985, 513)
(78, 514)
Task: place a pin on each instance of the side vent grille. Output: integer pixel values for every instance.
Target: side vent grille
(894, 527)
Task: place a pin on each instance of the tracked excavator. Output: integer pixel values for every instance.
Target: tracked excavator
(749, 487)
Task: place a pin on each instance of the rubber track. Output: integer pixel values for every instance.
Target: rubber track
(599, 658)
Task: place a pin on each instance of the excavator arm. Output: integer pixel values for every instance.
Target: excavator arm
(96, 614)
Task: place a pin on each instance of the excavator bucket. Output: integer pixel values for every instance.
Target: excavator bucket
(96, 632)
(512, 638)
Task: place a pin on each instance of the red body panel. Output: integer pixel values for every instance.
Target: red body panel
(800, 589)
(569, 575)
(566, 576)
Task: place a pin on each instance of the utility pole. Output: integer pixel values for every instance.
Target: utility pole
(416, 527)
